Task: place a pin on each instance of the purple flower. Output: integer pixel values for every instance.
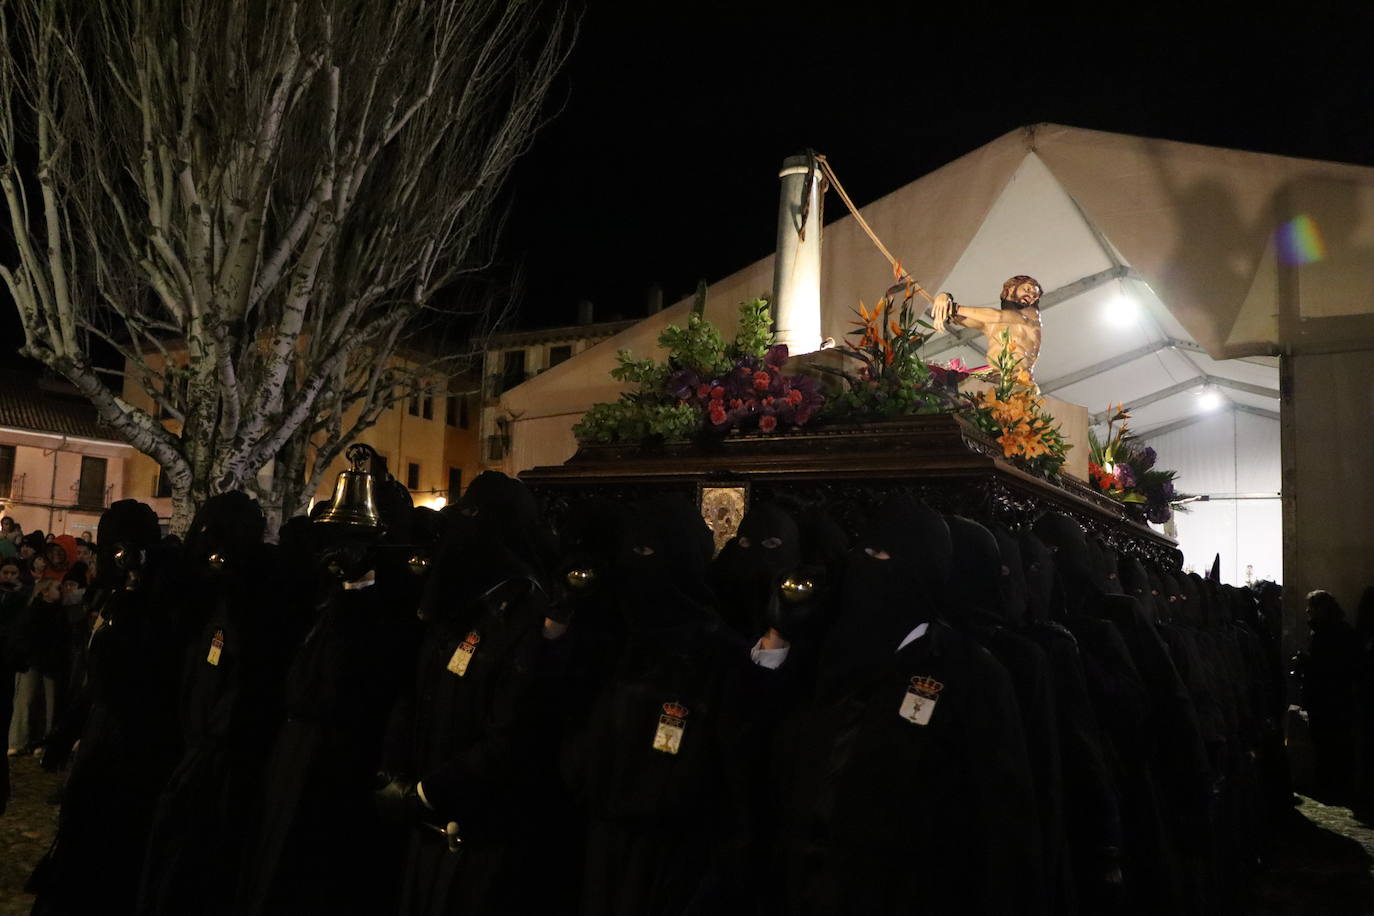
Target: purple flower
(1146, 459)
(1125, 476)
(1167, 491)
(1159, 513)
(682, 384)
(776, 355)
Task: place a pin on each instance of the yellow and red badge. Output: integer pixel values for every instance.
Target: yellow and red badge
(919, 703)
(671, 724)
(216, 647)
(462, 656)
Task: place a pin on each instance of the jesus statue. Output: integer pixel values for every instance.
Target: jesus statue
(1019, 316)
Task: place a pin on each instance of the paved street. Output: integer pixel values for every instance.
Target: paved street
(1323, 865)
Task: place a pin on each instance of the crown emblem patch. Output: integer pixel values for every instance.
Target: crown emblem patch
(671, 726)
(918, 705)
(462, 656)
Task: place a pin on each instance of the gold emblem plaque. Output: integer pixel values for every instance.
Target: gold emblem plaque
(723, 510)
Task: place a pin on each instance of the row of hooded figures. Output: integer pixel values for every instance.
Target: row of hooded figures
(463, 713)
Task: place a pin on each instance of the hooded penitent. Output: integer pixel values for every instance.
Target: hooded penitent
(130, 739)
(976, 573)
(1037, 561)
(232, 684)
(1012, 578)
(748, 570)
(896, 570)
(590, 540)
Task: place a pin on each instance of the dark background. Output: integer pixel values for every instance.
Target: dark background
(662, 166)
(659, 164)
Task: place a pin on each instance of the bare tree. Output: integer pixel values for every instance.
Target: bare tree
(258, 204)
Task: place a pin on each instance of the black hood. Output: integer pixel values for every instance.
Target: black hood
(591, 537)
(225, 537)
(127, 531)
(1012, 580)
(975, 591)
(1038, 563)
(745, 574)
(899, 563)
(1077, 574)
(661, 571)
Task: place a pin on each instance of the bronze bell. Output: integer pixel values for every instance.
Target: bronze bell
(354, 501)
(796, 589)
(581, 579)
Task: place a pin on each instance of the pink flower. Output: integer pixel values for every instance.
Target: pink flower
(717, 413)
(761, 380)
(794, 397)
(703, 390)
(957, 365)
(768, 400)
(735, 403)
(768, 423)
(717, 392)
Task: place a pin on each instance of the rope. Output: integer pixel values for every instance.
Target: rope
(863, 224)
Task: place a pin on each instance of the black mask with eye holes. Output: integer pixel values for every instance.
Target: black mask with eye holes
(893, 582)
(225, 537)
(661, 571)
(975, 586)
(127, 531)
(1076, 574)
(1012, 581)
(1037, 561)
(591, 537)
(749, 567)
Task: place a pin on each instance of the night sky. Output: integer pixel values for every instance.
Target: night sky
(661, 167)
(670, 121)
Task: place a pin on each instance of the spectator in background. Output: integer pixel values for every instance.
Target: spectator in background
(82, 565)
(10, 530)
(11, 606)
(1328, 695)
(45, 644)
(36, 568)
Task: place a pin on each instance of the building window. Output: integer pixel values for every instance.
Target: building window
(513, 369)
(6, 471)
(455, 485)
(559, 354)
(414, 408)
(456, 411)
(495, 448)
(412, 475)
(427, 407)
(90, 489)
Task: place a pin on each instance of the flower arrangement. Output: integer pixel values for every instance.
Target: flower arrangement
(1123, 469)
(890, 379)
(1013, 412)
(705, 385)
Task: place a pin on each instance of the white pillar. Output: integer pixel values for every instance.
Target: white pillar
(797, 263)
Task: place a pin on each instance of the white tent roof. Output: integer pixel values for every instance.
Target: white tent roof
(1206, 243)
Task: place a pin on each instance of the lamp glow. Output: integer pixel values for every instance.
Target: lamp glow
(438, 502)
(1122, 309)
(1210, 399)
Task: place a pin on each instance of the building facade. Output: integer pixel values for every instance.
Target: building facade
(59, 467)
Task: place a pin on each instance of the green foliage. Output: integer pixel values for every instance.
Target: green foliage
(629, 420)
(650, 410)
(755, 334)
(698, 346)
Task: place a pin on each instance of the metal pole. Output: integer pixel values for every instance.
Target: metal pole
(797, 263)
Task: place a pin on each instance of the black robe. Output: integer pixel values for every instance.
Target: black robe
(476, 747)
(888, 816)
(232, 693)
(320, 847)
(669, 833)
(129, 744)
